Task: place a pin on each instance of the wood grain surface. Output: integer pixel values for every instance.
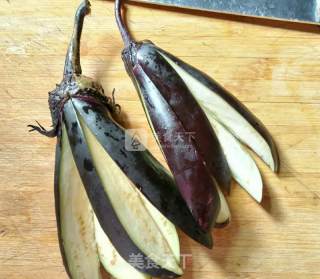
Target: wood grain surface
(273, 67)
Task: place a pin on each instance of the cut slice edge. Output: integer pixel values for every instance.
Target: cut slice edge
(111, 260)
(224, 216)
(76, 219)
(134, 216)
(226, 115)
(165, 226)
(101, 248)
(174, 208)
(243, 168)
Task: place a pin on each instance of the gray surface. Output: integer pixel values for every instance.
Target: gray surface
(290, 10)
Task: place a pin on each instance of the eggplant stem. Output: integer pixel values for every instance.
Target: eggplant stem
(126, 37)
(72, 64)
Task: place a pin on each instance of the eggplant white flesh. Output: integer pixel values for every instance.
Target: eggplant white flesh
(243, 168)
(189, 144)
(238, 120)
(113, 263)
(76, 224)
(224, 215)
(129, 207)
(128, 230)
(84, 241)
(167, 229)
(151, 178)
(127, 223)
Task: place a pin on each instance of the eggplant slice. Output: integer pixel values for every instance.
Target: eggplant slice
(180, 126)
(74, 217)
(111, 217)
(227, 110)
(83, 242)
(117, 206)
(151, 178)
(224, 216)
(112, 262)
(243, 168)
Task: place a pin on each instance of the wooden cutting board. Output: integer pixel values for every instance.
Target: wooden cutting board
(273, 67)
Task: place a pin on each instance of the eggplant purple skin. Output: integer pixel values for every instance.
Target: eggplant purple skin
(185, 162)
(187, 109)
(180, 114)
(231, 100)
(146, 173)
(99, 200)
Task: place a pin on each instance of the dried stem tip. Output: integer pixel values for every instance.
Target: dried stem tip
(127, 39)
(72, 64)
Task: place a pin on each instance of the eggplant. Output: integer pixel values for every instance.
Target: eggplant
(84, 243)
(187, 140)
(113, 207)
(175, 94)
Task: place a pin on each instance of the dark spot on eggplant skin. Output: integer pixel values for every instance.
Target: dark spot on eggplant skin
(87, 163)
(86, 109)
(74, 128)
(123, 153)
(148, 101)
(98, 117)
(111, 136)
(73, 140)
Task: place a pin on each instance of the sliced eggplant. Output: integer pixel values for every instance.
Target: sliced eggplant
(143, 170)
(227, 110)
(180, 100)
(180, 126)
(117, 206)
(224, 215)
(243, 167)
(94, 215)
(129, 207)
(167, 229)
(115, 264)
(84, 242)
(186, 163)
(75, 218)
(111, 260)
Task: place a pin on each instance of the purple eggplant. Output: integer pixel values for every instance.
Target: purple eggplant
(111, 204)
(180, 126)
(175, 93)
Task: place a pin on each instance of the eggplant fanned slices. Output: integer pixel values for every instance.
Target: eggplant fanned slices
(113, 207)
(178, 98)
(84, 242)
(152, 179)
(185, 136)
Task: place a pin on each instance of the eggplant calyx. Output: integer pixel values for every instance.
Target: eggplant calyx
(99, 99)
(43, 131)
(126, 37)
